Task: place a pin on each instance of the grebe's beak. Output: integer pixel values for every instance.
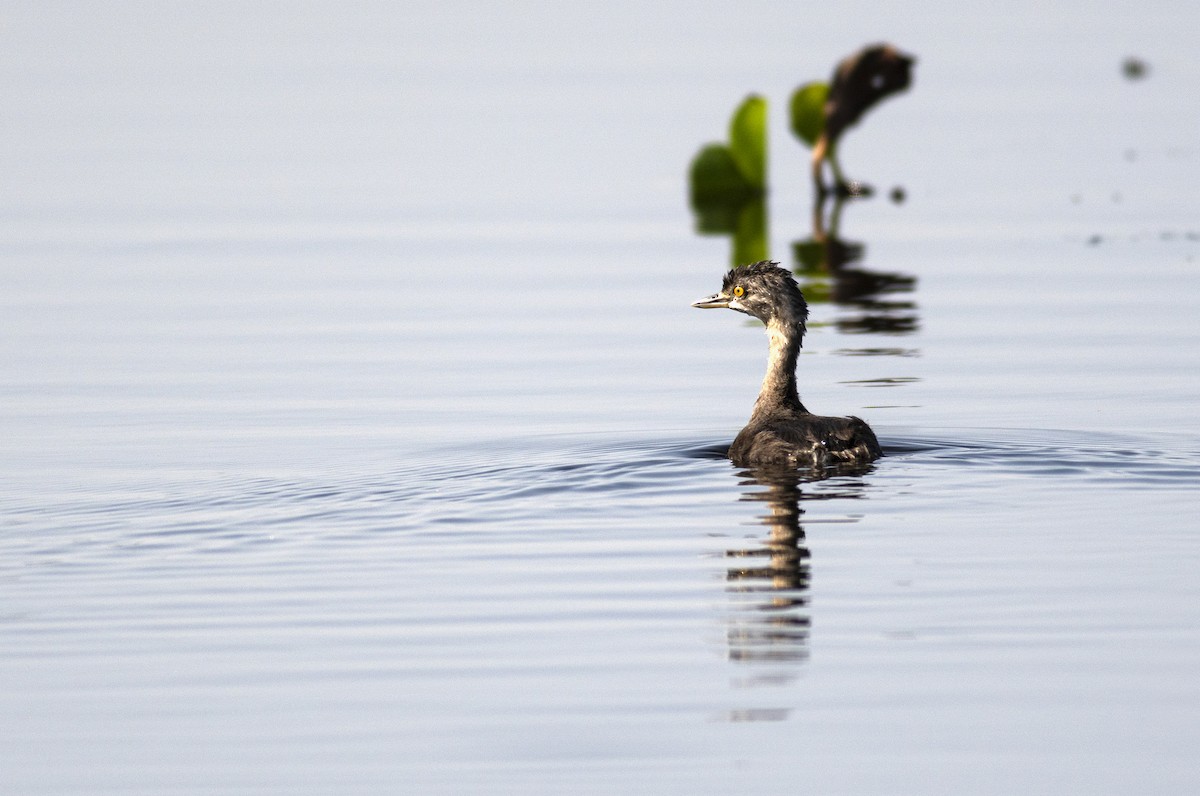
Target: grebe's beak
(717, 301)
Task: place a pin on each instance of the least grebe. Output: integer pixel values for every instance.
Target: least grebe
(781, 431)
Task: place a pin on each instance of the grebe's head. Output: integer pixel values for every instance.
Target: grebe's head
(763, 290)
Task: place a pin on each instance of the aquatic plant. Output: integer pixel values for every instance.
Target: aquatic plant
(737, 169)
(728, 180)
(728, 183)
(821, 113)
(807, 112)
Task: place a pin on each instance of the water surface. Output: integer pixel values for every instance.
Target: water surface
(359, 435)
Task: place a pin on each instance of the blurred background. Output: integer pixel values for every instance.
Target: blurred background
(546, 148)
(357, 428)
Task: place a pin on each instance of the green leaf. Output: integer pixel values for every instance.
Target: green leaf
(748, 140)
(715, 178)
(727, 184)
(808, 111)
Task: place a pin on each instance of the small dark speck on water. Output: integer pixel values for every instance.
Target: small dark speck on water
(1134, 68)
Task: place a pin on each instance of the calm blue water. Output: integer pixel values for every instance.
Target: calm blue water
(359, 435)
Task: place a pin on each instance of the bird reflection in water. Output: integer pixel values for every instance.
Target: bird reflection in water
(771, 578)
(768, 580)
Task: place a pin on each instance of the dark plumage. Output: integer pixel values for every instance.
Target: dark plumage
(781, 432)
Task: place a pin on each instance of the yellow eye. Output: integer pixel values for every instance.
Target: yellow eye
(739, 291)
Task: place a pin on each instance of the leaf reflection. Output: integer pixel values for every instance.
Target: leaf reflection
(827, 268)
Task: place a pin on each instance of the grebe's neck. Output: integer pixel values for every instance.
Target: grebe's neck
(779, 385)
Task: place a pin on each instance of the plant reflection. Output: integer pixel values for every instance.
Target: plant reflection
(826, 266)
(743, 219)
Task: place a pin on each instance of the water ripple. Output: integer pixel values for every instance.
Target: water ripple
(1109, 460)
(529, 489)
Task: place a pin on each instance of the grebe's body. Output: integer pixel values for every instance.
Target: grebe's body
(781, 432)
